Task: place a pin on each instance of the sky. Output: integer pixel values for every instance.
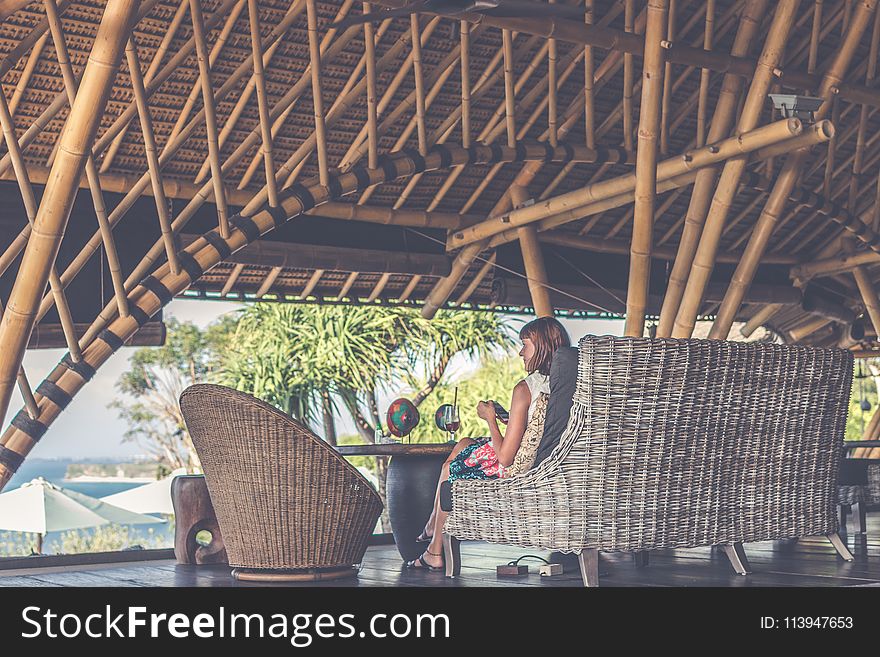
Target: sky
(87, 429)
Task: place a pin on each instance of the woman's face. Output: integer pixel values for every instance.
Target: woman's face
(527, 352)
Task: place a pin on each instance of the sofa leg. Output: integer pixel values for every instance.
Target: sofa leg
(640, 558)
(840, 546)
(860, 517)
(588, 560)
(452, 555)
(737, 556)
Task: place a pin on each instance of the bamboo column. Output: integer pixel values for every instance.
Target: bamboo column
(628, 79)
(646, 169)
(552, 110)
(75, 142)
(589, 68)
(533, 259)
(372, 113)
(704, 258)
(465, 60)
(701, 196)
(786, 180)
(317, 93)
(419, 78)
(705, 75)
(667, 81)
(509, 93)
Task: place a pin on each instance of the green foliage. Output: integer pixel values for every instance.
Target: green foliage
(109, 538)
(858, 419)
(17, 544)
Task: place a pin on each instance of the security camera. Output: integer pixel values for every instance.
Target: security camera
(795, 106)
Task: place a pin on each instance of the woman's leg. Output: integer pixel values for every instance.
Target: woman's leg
(460, 445)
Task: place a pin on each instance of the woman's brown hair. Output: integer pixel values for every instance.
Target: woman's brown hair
(548, 335)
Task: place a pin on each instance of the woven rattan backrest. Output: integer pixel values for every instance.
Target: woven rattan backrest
(697, 442)
(277, 488)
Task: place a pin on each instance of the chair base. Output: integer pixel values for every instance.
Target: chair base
(297, 575)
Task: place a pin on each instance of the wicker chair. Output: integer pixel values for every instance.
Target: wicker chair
(289, 506)
(854, 498)
(676, 444)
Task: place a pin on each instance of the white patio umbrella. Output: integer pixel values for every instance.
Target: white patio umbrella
(154, 497)
(41, 507)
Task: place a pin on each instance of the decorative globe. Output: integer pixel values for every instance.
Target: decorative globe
(402, 417)
(440, 416)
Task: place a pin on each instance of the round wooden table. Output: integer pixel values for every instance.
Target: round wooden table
(413, 474)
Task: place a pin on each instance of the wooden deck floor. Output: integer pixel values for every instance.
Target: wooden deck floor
(807, 562)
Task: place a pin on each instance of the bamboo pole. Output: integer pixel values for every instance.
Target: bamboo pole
(269, 281)
(869, 296)
(312, 283)
(698, 208)
(262, 102)
(589, 68)
(477, 280)
(808, 328)
(465, 60)
(233, 278)
(410, 287)
(536, 273)
(786, 179)
(728, 181)
(380, 285)
(26, 74)
(198, 23)
(372, 113)
(213, 55)
(317, 93)
(705, 75)
(30, 207)
(296, 8)
(137, 86)
(667, 81)
(669, 168)
(646, 169)
(552, 110)
(346, 287)
(39, 255)
(419, 77)
(812, 136)
(446, 285)
(628, 78)
(509, 93)
(159, 55)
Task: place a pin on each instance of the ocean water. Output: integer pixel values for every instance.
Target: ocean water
(53, 471)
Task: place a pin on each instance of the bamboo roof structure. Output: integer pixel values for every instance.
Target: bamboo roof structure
(628, 163)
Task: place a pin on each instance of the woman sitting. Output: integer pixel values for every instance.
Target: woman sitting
(510, 453)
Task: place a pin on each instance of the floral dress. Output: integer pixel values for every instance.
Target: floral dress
(479, 461)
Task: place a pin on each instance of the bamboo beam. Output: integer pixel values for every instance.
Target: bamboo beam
(419, 77)
(39, 255)
(646, 169)
(552, 82)
(666, 169)
(787, 178)
(808, 328)
(728, 181)
(137, 86)
(589, 68)
(446, 285)
(628, 78)
(814, 135)
(410, 288)
(317, 92)
(869, 296)
(705, 75)
(233, 278)
(57, 32)
(477, 280)
(346, 287)
(312, 283)
(213, 55)
(269, 281)
(159, 55)
(465, 60)
(262, 103)
(198, 23)
(698, 208)
(372, 113)
(380, 285)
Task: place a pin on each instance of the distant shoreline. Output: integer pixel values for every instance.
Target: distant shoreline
(93, 479)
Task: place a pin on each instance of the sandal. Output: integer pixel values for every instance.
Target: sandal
(420, 563)
(424, 538)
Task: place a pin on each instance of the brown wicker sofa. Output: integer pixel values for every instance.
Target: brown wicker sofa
(676, 444)
(288, 505)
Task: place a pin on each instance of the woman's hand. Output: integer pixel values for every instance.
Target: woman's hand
(486, 410)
